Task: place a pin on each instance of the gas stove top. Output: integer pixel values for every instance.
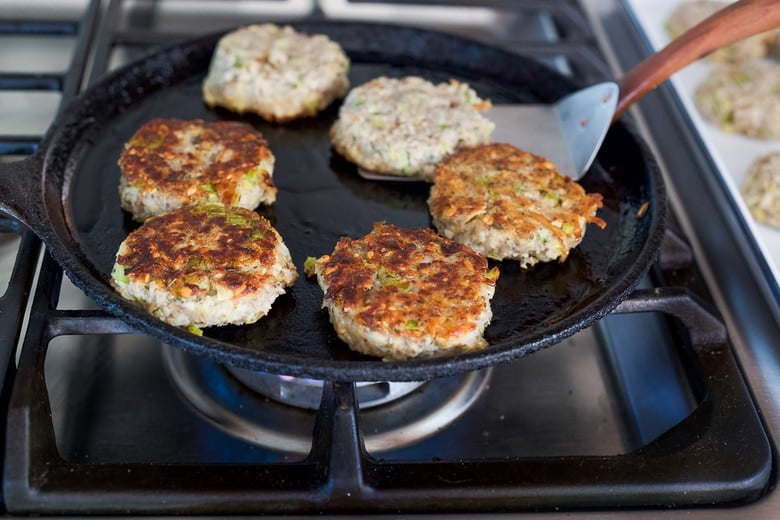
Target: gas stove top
(664, 406)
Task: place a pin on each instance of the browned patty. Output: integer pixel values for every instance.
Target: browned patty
(203, 266)
(508, 203)
(402, 292)
(172, 162)
(180, 248)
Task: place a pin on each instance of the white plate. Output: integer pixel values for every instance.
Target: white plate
(732, 154)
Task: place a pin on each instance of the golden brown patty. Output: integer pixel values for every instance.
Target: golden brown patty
(403, 292)
(204, 265)
(510, 204)
(172, 162)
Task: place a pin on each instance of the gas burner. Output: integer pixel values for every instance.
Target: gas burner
(277, 412)
(307, 393)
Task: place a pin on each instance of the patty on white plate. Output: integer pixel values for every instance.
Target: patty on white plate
(742, 99)
(688, 14)
(761, 189)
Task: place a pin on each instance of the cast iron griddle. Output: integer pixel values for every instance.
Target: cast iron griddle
(321, 197)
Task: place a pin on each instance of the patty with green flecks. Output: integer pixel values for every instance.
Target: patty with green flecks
(202, 266)
(404, 126)
(692, 12)
(399, 293)
(276, 72)
(761, 189)
(510, 204)
(169, 163)
(742, 99)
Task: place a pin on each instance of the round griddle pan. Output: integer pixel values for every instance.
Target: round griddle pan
(67, 193)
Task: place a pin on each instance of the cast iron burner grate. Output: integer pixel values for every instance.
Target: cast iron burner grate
(338, 474)
(22, 267)
(394, 414)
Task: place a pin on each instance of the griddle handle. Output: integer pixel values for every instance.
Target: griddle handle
(736, 22)
(705, 328)
(21, 192)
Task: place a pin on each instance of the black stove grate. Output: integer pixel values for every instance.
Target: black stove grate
(721, 440)
(721, 443)
(14, 300)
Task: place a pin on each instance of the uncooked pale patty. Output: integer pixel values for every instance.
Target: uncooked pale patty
(169, 163)
(276, 72)
(405, 126)
(761, 189)
(204, 265)
(507, 203)
(744, 99)
(398, 293)
(688, 14)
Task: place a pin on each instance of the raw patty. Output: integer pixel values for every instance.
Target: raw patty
(169, 163)
(743, 99)
(507, 203)
(688, 14)
(405, 126)
(201, 266)
(761, 189)
(399, 293)
(276, 72)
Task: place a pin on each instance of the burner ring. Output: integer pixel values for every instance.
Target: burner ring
(392, 417)
(307, 393)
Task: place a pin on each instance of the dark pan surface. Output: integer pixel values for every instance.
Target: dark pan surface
(322, 198)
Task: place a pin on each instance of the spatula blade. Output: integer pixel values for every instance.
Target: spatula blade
(569, 132)
(534, 128)
(585, 117)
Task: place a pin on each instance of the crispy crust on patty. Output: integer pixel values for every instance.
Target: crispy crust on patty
(169, 163)
(204, 265)
(510, 204)
(404, 126)
(398, 293)
(276, 72)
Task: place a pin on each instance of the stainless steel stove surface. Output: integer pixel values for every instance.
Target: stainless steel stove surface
(668, 406)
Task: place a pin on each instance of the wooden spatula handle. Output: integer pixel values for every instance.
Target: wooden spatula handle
(729, 25)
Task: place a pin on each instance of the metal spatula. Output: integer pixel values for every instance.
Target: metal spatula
(570, 131)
